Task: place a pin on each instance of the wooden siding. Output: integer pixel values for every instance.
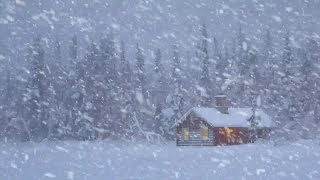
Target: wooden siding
(196, 139)
(195, 127)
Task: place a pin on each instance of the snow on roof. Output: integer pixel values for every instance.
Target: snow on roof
(237, 117)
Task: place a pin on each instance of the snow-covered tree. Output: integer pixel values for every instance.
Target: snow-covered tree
(206, 87)
(34, 98)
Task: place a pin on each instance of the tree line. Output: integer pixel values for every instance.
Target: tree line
(105, 94)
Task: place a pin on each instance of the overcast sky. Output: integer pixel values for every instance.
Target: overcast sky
(152, 23)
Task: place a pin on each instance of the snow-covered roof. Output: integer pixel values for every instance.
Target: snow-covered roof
(237, 117)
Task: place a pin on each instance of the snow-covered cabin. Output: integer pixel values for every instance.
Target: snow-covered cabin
(222, 125)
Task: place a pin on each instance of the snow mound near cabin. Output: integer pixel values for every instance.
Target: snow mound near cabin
(119, 160)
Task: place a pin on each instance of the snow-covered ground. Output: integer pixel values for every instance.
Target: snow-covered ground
(119, 160)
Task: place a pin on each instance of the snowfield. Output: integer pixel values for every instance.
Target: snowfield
(123, 160)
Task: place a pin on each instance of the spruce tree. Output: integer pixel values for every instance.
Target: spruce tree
(87, 114)
(141, 104)
(8, 94)
(75, 95)
(289, 108)
(206, 87)
(126, 94)
(73, 49)
(58, 77)
(113, 86)
(158, 93)
(158, 66)
(177, 78)
(221, 65)
(125, 70)
(176, 101)
(176, 70)
(34, 97)
(268, 72)
(140, 71)
(159, 79)
(242, 48)
(287, 58)
(310, 83)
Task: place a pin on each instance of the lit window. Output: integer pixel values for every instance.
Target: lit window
(205, 134)
(185, 133)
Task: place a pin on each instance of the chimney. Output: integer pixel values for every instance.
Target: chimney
(221, 103)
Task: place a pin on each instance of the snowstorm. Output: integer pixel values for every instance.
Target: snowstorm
(159, 89)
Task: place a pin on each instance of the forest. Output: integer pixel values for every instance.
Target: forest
(74, 70)
(107, 94)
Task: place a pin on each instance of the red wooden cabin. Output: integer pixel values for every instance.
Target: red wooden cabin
(222, 125)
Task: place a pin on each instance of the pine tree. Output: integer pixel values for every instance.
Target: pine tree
(88, 112)
(253, 78)
(287, 58)
(159, 120)
(306, 83)
(268, 51)
(126, 95)
(289, 109)
(8, 108)
(233, 74)
(140, 71)
(177, 78)
(221, 65)
(243, 66)
(142, 107)
(205, 80)
(176, 70)
(158, 93)
(242, 54)
(57, 50)
(310, 58)
(125, 70)
(73, 49)
(113, 84)
(8, 94)
(159, 79)
(268, 72)
(176, 96)
(73, 57)
(158, 66)
(109, 56)
(242, 48)
(58, 71)
(75, 92)
(36, 112)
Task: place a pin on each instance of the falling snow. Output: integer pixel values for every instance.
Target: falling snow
(94, 89)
